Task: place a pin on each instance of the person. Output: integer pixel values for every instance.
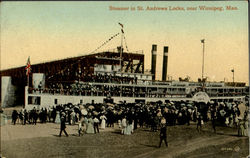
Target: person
(96, 123)
(49, 114)
(214, 123)
(241, 128)
(245, 126)
(124, 125)
(103, 122)
(80, 128)
(85, 120)
(188, 116)
(73, 117)
(163, 132)
(199, 120)
(35, 116)
(53, 114)
(119, 123)
(63, 126)
(57, 117)
(90, 127)
(128, 128)
(213, 117)
(21, 117)
(25, 116)
(14, 116)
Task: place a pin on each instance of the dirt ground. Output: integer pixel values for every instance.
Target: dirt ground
(41, 140)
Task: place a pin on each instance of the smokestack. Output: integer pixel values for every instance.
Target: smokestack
(153, 60)
(165, 63)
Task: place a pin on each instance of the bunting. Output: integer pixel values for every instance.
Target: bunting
(121, 25)
(104, 43)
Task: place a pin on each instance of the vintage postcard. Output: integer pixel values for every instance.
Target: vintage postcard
(124, 79)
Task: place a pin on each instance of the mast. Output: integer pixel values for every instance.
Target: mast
(121, 50)
(122, 34)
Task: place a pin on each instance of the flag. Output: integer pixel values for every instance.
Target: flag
(232, 70)
(203, 41)
(28, 67)
(121, 25)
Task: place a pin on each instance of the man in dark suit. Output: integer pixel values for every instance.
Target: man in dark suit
(63, 126)
(14, 116)
(163, 132)
(199, 124)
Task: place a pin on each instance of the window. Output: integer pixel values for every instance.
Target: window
(34, 100)
(55, 101)
(37, 100)
(81, 101)
(29, 100)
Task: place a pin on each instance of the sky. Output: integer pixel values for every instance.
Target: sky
(48, 31)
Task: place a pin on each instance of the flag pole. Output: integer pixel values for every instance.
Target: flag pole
(121, 46)
(28, 80)
(203, 42)
(233, 74)
(28, 70)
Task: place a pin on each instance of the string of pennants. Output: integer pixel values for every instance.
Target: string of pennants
(104, 43)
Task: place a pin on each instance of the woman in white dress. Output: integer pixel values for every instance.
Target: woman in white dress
(103, 123)
(58, 120)
(90, 128)
(128, 128)
(227, 121)
(124, 125)
(73, 117)
(85, 121)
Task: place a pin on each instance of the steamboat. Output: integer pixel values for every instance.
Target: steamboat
(113, 80)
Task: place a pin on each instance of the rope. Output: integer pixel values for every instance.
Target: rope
(105, 42)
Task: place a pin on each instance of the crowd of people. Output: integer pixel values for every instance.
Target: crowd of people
(31, 116)
(111, 78)
(130, 116)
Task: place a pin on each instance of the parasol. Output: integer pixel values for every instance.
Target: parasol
(81, 106)
(95, 113)
(182, 104)
(109, 104)
(84, 111)
(189, 105)
(110, 108)
(91, 107)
